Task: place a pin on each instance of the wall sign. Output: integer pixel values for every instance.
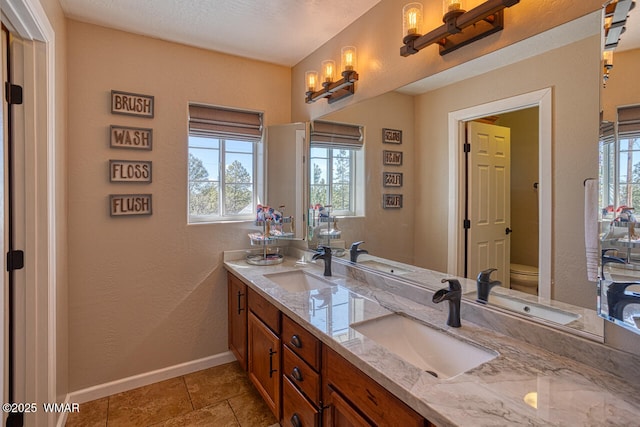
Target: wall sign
(129, 171)
(391, 136)
(129, 204)
(392, 158)
(392, 179)
(132, 104)
(391, 201)
(128, 137)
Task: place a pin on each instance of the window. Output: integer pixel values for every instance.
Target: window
(223, 164)
(620, 161)
(336, 159)
(332, 177)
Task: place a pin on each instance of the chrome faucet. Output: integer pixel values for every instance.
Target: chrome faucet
(484, 284)
(354, 251)
(324, 252)
(618, 299)
(453, 294)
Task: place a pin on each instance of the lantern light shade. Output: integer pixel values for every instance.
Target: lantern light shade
(348, 56)
(328, 71)
(607, 57)
(311, 79)
(452, 6)
(412, 20)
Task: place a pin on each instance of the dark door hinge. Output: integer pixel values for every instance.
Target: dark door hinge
(467, 147)
(15, 260)
(13, 93)
(466, 224)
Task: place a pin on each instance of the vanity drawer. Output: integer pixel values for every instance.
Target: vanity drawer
(264, 310)
(302, 342)
(301, 374)
(296, 409)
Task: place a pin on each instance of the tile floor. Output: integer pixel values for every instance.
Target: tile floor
(219, 396)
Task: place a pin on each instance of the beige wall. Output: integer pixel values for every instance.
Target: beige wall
(573, 74)
(148, 292)
(387, 233)
(378, 37)
(622, 87)
(524, 173)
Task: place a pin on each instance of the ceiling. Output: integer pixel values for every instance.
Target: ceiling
(278, 31)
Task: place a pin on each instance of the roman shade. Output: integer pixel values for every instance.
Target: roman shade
(629, 121)
(216, 122)
(336, 135)
(606, 132)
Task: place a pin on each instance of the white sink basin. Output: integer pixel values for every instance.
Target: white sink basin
(381, 266)
(298, 281)
(532, 309)
(436, 352)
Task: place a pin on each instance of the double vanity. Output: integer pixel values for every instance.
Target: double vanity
(366, 347)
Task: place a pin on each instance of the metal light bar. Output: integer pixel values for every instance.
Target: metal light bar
(337, 90)
(460, 30)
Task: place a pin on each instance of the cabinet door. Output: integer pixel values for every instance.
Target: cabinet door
(264, 362)
(343, 414)
(237, 308)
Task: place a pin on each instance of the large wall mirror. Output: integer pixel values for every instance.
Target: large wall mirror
(619, 189)
(561, 68)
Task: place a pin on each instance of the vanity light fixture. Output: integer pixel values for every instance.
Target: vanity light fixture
(459, 29)
(607, 65)
(331, 89)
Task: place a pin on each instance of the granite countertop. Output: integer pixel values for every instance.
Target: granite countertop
(559, 391)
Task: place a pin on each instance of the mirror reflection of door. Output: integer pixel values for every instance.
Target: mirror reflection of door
(488, 199)
(515, 208)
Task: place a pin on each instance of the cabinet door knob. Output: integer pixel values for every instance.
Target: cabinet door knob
(295, 420)
(295, 341)
(296, 374)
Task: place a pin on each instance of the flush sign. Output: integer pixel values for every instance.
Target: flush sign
(391, 201)
(130, 204)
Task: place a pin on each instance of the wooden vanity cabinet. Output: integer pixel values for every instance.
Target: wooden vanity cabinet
(305, 383)
(354, 399)
(264, 352)
(237, 309)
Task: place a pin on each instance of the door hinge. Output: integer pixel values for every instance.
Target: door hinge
(466, 224)
(13, 93)
(467, 147)
(15, 260)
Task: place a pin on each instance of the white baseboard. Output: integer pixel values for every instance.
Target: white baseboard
(118, 386)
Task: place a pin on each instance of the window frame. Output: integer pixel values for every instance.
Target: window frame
(330, 160)
(224, 151)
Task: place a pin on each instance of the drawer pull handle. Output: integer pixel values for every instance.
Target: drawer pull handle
(295, 341)
(240, 295)
(295, 420)
(296, 374)
(271, 370)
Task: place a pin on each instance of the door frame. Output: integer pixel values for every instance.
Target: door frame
(28, 20)
(456, 138)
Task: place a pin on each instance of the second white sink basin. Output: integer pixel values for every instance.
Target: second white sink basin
(381, 266)
(436, 352)
(298, 281)
(535, 310)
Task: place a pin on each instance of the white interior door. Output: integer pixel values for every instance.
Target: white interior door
(489, 200)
